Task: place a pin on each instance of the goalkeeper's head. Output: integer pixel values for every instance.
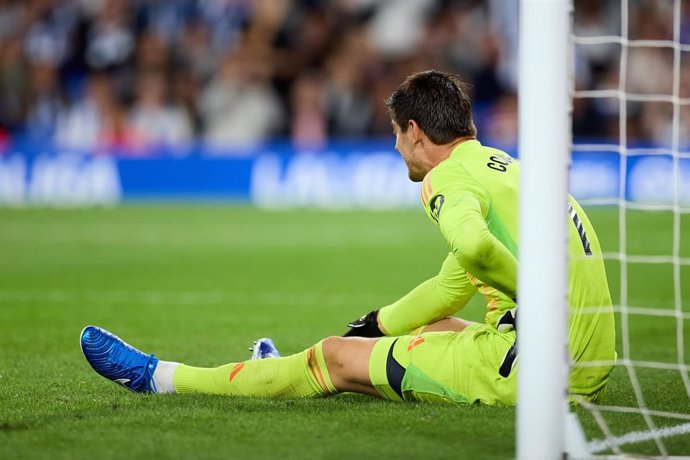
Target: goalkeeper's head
(430, 109)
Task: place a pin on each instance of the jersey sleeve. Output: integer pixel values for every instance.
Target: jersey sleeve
(463, 224)
(434, 299)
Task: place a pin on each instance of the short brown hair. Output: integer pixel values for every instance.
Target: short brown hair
(437, 101)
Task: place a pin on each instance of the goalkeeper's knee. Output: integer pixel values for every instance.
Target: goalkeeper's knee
(366, 326)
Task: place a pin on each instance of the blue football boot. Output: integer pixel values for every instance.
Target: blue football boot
(264, 348)
(118, 361)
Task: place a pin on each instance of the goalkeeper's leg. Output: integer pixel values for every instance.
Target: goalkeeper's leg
(441, 366)
(333, 365)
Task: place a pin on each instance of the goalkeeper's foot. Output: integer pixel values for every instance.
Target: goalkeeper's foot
(264, 348)
(118, 361)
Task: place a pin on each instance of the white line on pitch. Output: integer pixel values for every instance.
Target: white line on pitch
(634, 437)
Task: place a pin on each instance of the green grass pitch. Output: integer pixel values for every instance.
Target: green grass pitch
(199, 283)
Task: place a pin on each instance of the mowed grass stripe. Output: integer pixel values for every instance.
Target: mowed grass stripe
(316, 299)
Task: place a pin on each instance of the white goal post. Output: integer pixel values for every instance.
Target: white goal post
(544, 142)
(546, 87)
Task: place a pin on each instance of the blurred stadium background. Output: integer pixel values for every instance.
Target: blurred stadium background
(218, 98)
(190, 106)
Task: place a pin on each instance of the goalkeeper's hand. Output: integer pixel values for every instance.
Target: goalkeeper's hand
(366, 326)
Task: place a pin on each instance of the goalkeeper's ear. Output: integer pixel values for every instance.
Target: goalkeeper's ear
(366, 326)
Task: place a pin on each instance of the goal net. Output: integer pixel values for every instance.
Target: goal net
(628, 79)
(631, 105)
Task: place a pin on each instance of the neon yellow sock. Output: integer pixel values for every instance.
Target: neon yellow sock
(302, 375)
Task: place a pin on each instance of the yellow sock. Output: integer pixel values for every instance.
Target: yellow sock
(302, 375)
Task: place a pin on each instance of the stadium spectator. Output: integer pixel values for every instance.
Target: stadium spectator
(240, 107)
(152, 53)
(504, 125)
(110, 39)
(155, 120)
(195, 52)
(185, 91)
(12, 14)
(308, 124)
(45, 101)
(348, 103)
(97, 122)
(14, 83)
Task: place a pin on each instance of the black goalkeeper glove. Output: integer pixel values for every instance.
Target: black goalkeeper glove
(366, 326)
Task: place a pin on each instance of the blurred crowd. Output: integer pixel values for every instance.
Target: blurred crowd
(140, 74)
(649, 71)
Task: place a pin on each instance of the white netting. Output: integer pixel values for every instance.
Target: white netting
(649, 104)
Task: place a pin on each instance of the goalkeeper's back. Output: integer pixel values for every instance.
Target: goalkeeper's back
(478, 183)
(591, 331)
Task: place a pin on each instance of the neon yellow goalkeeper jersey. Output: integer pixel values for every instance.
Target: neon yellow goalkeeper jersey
(472, 197)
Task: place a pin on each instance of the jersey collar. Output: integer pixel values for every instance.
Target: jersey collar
(464, 147)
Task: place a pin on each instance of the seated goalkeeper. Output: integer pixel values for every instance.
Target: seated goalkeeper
(414, 349)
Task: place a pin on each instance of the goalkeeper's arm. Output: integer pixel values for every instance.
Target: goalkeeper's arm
(434, 299)
(475, 248)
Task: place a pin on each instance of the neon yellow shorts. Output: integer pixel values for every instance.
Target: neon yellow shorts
(458, 367)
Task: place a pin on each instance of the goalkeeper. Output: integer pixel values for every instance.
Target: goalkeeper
(414, 349)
